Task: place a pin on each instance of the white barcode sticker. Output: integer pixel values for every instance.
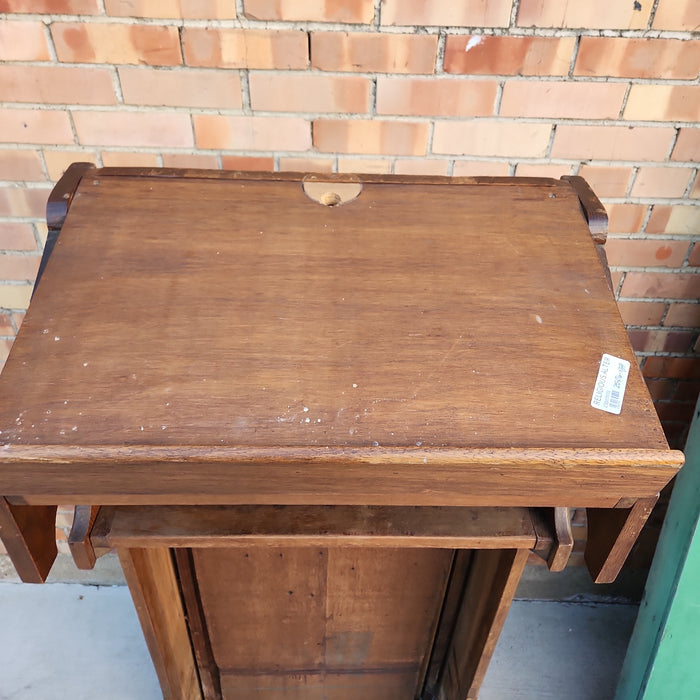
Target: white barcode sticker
(610, 385)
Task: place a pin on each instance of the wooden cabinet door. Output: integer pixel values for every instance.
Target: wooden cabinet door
(308, 622)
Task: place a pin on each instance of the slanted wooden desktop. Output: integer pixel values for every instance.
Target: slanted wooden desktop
(324, 420)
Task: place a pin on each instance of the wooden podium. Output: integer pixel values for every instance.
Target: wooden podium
(323, 419)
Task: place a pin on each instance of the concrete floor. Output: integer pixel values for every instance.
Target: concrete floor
(81, 642)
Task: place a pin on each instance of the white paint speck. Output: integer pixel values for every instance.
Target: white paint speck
(163, 427)
(306, 409)
(308, 420)
(85, 364)
(474, 41)
(46, 330)
(354, 386)
(425, 460)
(419, 443)
(74, 428)
(375, 444)
(56, 338)
(538, 318)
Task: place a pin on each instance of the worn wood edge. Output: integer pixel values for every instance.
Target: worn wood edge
(29, 536)
(611, 535)
(297, 176)
(345, 455)
(603, 257)
(207, 668)
(81, 548)
(61, 196)
(593, 209)
(519, 561)
(154, 588)
(347, 526)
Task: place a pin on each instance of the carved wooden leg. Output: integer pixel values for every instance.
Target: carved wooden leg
(152, 581)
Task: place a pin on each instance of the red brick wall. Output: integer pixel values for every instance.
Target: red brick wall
(603, 88)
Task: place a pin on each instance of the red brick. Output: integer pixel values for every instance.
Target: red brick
(593, 14)
(554, 170)
(125, 159)
(16, 236)
(377, 166)
(439, 96)
(181, 88)
(672, 411)
(681, 15)
(625, 218)
(23, 41)
(607, 181)
(612, 142)
(276, 92)
(562, 100)
(477, 168)
(455, 13)
(508, 55)
(172, 9)
(645, 253)
(380, 53)
(58, 161)
(23, 201)
(491, 138)
(77, 42)
(616, 279)
(19, 267)
(672, 367)
(248, 163)
(661, 341)
(371, 136)
(694, 258)
(346, 12)
(20, 165)
(660, 389)
(661, 182)
(35, 126)
(687, 391)
(638, 58)
(663, 103)
(15, 296)
(687, 146)
(252, 133)
(6, 327)
(245, 48)
(695, 189)
(306, 165)
(5, 346)
(421, 166)
(161, 129)
(52, 7)
(674, 219)
(661, 285)
(57, 84)
(190, 160)
(683, 315)
(641, 313)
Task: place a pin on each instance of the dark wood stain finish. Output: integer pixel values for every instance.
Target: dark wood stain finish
(294, 417)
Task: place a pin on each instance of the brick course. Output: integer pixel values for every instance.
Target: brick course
(537, 88)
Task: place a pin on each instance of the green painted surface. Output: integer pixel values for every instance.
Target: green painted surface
(663, 658)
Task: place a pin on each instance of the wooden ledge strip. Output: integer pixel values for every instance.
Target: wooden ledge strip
(366, 526)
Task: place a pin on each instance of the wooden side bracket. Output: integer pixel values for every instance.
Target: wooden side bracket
(81, 548)
(611, 534)
(29, 536)
(555, 541)
(593, 209)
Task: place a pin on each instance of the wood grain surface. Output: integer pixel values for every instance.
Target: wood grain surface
(205, 314)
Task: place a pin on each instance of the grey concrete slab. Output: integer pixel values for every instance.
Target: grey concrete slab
(64, 641)
(551, 650)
